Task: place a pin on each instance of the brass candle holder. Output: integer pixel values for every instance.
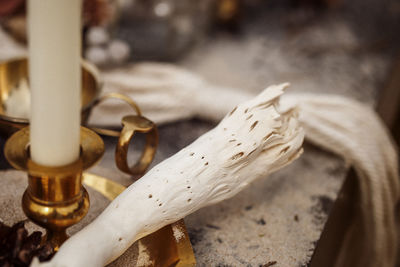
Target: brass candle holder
(13, 72)
(55, 198)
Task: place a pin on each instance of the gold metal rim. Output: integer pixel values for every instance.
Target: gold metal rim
(105, 186)
(87, 68)
(119, 96)
(16, 148)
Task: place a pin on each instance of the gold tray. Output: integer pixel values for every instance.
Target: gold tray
(169, 246)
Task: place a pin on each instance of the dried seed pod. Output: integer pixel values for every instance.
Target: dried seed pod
(17, 248)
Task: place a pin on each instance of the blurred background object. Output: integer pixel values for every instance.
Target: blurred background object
(98, 12)
(9, 7)
(161, 29)
(227, 13)
(389, 104)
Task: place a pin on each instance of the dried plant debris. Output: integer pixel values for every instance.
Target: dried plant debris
(17, 247)
(270, 263)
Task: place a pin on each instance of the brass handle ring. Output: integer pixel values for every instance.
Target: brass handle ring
(131, 125)
(122, 97)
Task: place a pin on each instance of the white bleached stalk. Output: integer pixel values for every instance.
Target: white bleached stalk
(250, 142)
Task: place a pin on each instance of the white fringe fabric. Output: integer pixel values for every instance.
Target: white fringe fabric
(355, 132)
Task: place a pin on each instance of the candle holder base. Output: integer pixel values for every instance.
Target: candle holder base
(55, 217)
(55, 198)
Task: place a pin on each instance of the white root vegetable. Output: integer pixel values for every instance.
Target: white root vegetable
(252, 141)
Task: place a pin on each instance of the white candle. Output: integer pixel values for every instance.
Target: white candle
(55, 80)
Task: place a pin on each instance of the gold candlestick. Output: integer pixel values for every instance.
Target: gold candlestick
(55, 198)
